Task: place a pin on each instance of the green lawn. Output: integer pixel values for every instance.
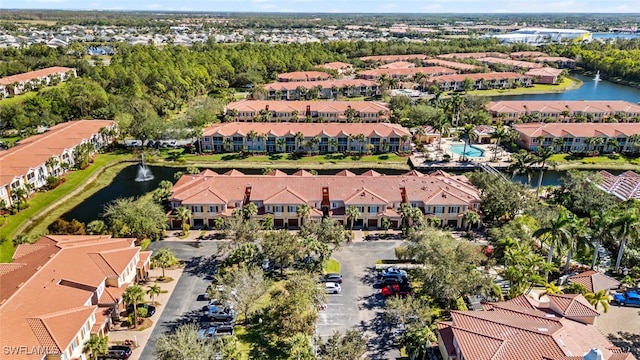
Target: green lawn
(10, 140)
(18, 98)
(566, 84)
(331, 266)
(42, 200)
(566, 161)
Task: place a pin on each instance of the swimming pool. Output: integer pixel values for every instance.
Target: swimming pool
(471, 152)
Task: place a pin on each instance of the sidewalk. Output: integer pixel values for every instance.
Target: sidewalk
(142, 337)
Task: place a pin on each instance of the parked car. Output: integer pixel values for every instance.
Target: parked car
(206, 333)
(391, 280)
(396, 290)
(150, 309)
(117, 352)
(225, 314)
(630, 298)
(391, 271)
(332, 288)
(332, 277)
(223, 330)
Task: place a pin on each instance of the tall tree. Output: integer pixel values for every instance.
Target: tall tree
(599, 298)
(184, 215)
(96, 345)
(627, 226)
(543, 156)
(153, 291)
(303, 211)
(558, 233)
(337, 347)
(243, 287)
(133, 295)
(467, 134)
(353, 214)
(164, 258)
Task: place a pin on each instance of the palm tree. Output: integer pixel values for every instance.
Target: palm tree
(521, 165)
(333, 144)
(626, 225)
(252, 135)
(314, 142)
(361, 138)
(551, 288)
(599, 298)
(467, 134)
(471, 218)
(303, 211)
(499, 134)
(21, 195)
(153, 291)
(558, 233)
(575, 288)
(227, 143)
(353, 214)
(443, 127)
(184, 215)
(543, 155)
(96, 345)
(298, 138)
(51, 163)
(558, 143)
(133, 296)
(601, 231)
(281, 143)
(417, 340)
(612, 143)
(579, 239)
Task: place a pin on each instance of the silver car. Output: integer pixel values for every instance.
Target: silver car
(332, 288)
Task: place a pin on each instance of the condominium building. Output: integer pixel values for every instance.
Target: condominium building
(20, 83)
(579, 137)
(303, 76)
(560, 327)
(340, 67)
(458, 66)
(481, 81)
(513, 64)
(328, 89)
(63, 288)
(307, 111)
(391, 58)
(306, 137)
(210, 195)
(405, 73)
(28, 164)
(564, 110)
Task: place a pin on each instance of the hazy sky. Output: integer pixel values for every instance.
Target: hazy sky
(369, 6)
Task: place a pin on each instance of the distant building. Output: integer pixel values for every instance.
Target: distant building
(327, 89)
(514, 64)
(484, 134)
(565, 111)
(481, 81)
(398, 65)
(539, 36)
(340, 67)
(303, 76)
(526, 54)
(210, 195)
(392, 58)
(476, 55)
(305, 111)
(557, 61)
(62, 289)
(575, 136)
(560, 328)
(19, 83)
(405, 73)
(460, 67)
(545, 75)
(281, 137)
(28, 161)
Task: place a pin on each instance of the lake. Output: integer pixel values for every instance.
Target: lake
(606, 36)
(590, 90)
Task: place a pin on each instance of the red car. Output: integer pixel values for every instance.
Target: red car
(396, 289)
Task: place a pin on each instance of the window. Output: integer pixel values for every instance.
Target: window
(277, 209)
(213, 209)
(207, 138)
(453, 209)
(373, 209)
(196, 208)
(438, 209)
(292, 208)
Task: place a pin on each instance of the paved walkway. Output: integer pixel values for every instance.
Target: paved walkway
(141, 337)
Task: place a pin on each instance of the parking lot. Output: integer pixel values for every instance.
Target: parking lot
(358, 306)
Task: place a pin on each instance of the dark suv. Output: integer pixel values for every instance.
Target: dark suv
(150, 309)
(117, 352)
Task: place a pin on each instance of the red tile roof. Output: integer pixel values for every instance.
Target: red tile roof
(409, 72)
(558, 106)
(336, 65)
(522, 329)
(577, 130)
(453, 65)
(37, 149)
(308, 129)
(624, 186)
(397, 65)
(594, 281)
(520, 54)
(304, 75)
(301, 106)
(33, 75)
(478, 76)
(325, 84)
(544, 71)
(509, 62)
(476, 55)
(392, 58)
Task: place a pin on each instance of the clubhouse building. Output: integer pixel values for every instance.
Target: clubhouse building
(210, 195)
(306, 137)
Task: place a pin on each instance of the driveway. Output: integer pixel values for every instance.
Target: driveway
(360, 306)
(617, 325)
(186, 302)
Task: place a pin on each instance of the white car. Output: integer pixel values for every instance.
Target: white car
(332, 288)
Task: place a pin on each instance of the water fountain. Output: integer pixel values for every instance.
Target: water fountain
(597, 78)
(144, 174)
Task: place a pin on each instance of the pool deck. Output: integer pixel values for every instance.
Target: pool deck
(433, 158)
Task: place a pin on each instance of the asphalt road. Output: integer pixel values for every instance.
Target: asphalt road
(186, 302)
(360, 305)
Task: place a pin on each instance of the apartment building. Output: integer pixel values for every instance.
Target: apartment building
(28, 164)
(481, 81)
(564, 110)
(328, 89)
(560, 327)
(340, 67)
(303, 76)
(392, 58)
(579, 137)
(307, 111)
(63, 288)
(306, 137)
(20, 83)
(210, 195)
(405, 73)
